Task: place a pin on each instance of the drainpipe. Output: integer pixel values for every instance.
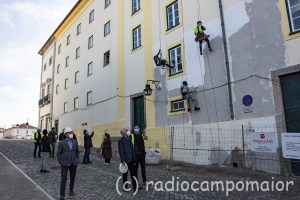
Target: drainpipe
(52, 95)
(39, 118)
(226, 59)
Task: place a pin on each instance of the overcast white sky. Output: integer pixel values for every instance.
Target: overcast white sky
(25, 27)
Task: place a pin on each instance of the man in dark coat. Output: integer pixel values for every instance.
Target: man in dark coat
(126, 152)
(45, 143)
(52, 137)
(68, 158)
(139, 151)
(88, 144)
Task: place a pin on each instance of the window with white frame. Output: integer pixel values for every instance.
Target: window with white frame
(77, 53)
(107, 28)
(45, 66)
(68, 39)
(67, 61)
(78, 29)
(91, 42)
(175, 57)
(172, 15)
(90, 68)
(137, 37)
(65, 107)
(106, 3)
(58, 69)
(59, 49)
(89, 98)
(136, 6)
(76, 77)
(91, 16)
(66, 83)
(76, 103)
(294, 14)
(106, 58)
(50, 61)
(177, 105)
(57, 89)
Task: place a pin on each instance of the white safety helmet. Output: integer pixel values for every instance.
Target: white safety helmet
(123, 168)
(67, 130)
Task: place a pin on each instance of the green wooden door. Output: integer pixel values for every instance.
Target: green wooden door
(290, 86)
(139, 112)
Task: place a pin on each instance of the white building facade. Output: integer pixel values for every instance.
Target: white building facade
(103, 56)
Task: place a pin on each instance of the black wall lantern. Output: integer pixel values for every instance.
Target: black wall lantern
(148, 89)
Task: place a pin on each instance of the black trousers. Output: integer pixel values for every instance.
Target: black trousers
(52, 152)
(140, 160)
(107, 160)
(64, 177)
(208, 44)
(131, 169)
(36, 145)
(86, 157)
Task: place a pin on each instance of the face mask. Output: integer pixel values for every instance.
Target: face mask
(71, 136)
(137, 130)
(128, 132)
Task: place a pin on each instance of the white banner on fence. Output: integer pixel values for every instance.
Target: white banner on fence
(263, 142)
(290, 145)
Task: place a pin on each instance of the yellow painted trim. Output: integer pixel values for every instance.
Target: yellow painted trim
(73, 16)
(285, 22)
(121, 65)
(147, 39)
(158, 138)
(183, 73)
(137, 49)
(175, 99)
(142, 33)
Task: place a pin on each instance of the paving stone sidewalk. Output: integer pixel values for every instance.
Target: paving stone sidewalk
(98, 181)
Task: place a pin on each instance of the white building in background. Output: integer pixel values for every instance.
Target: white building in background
(22, 131)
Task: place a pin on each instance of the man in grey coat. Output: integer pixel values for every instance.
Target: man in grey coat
(68, 158)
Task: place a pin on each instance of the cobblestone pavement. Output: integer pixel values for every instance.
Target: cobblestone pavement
(98, 181)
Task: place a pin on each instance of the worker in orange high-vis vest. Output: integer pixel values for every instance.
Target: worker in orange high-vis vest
(200, 36)
(37, 142)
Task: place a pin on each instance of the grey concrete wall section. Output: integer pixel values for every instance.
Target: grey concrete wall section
(161, 104)
(256, 49)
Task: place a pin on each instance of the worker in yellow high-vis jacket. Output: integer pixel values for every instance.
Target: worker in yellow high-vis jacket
(200, 36)
(37, 142)
(139, 151)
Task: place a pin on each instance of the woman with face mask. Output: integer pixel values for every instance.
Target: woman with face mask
(106, 148)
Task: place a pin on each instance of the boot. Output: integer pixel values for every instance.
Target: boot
(196, 108)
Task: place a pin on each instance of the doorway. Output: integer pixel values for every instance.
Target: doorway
(290, 87)
(138, 112)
